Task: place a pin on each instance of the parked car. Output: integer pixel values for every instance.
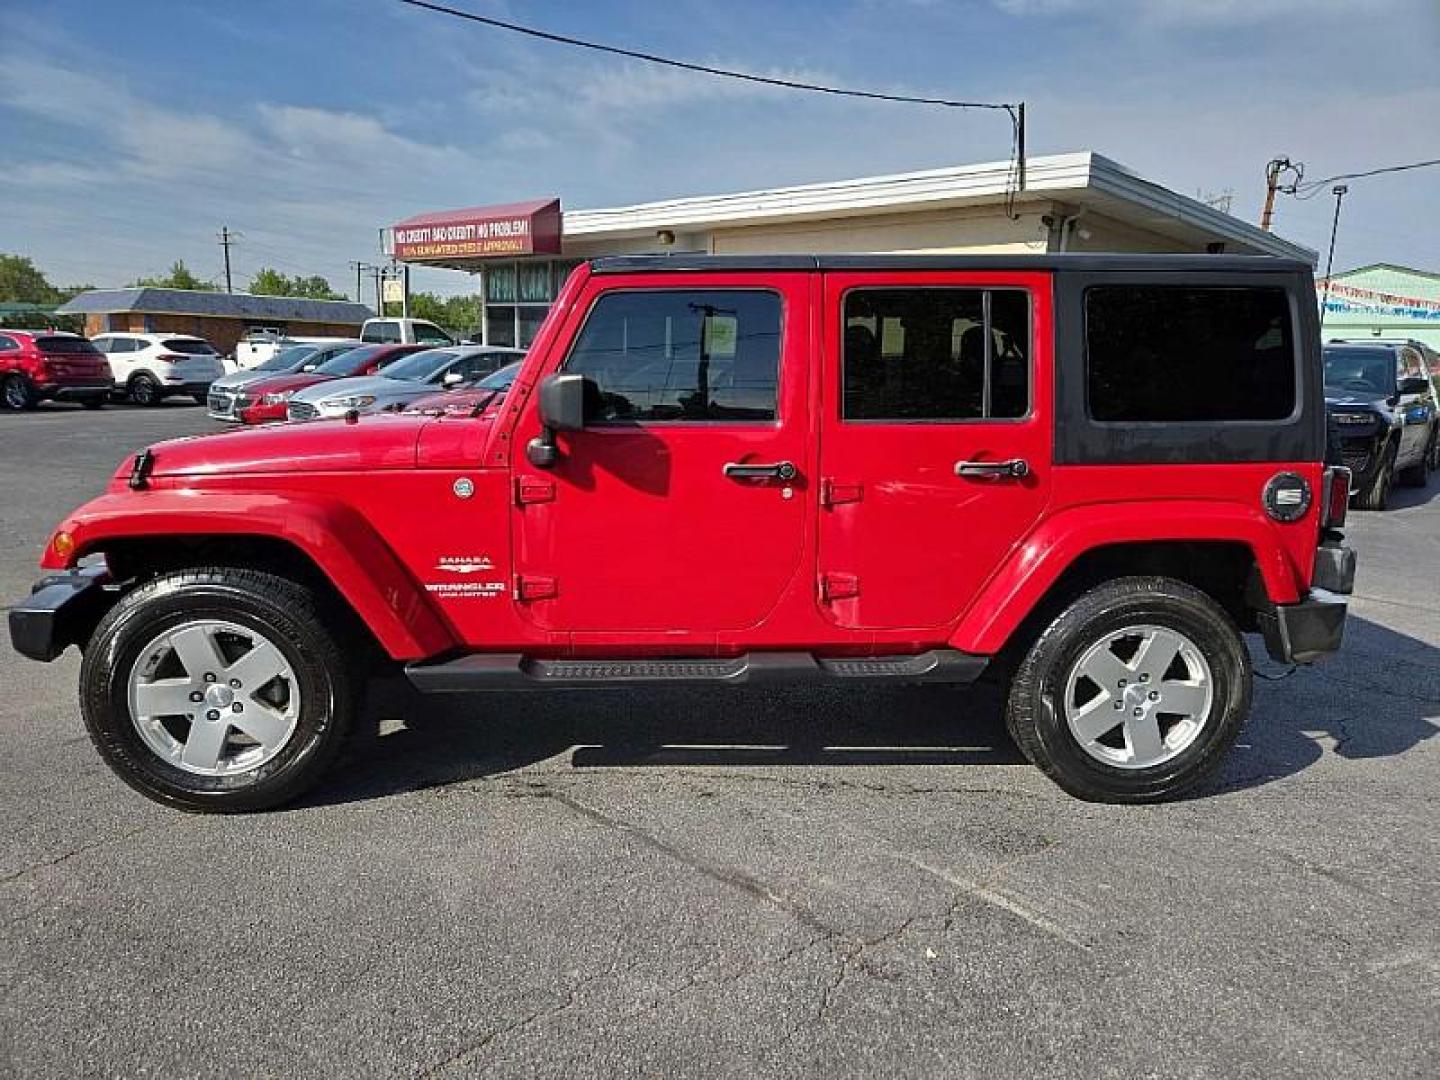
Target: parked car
(265, 401)
(468, 397)
(404, 331)
(752, 470)
(148, 368)
(399, 383)
(40, 365)
(1385, 416)
(229, 391)
(257, 348)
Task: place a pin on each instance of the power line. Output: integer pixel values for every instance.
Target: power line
(685, 65)
(1310, 187)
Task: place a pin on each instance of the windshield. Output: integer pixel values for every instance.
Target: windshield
(417, 367)
(501, 379)
(1364, 371)
(351, 362)
(71, 345)
(188, 346)
(430, 334)
(288, 359)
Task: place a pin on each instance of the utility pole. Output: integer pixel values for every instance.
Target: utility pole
(1272, 185)
(227, 238)
(1020, 147)
(1339, 191)
(360, 268)
(379, 291)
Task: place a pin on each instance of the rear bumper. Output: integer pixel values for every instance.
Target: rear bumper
(59, 612)
(76, 391)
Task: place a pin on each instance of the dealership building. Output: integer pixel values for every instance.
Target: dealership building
(522, 252)
(1383, 301)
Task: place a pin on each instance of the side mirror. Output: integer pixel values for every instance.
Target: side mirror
(1414, 385)
(562, 402)
(452, 378)
(562, 408)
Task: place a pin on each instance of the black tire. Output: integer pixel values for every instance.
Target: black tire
(1376, 496)
(201, 399)
(1417, 475)
(291, 617)
(96, 402)
(1034, 711)
(144, 390)
(1432, 456)
(16, 393)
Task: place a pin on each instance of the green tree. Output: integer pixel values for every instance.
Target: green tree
(179, 277)
(270, 282)
(458, 314)
(21, 282)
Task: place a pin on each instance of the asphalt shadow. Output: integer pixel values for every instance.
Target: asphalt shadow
(408, 741)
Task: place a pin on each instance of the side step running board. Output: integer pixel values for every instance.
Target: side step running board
(514, 671)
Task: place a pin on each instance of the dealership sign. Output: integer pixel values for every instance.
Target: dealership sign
(1354, 300)
(528, 228)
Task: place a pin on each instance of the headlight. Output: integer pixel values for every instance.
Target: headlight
(277, 399)
(361, 401)
(1354, 418)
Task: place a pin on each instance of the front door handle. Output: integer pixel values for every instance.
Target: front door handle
(1014, 469)
(780, 470)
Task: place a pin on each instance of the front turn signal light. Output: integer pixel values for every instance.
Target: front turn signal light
(63, 544)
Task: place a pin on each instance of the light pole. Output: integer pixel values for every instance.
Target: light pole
(1338, 191)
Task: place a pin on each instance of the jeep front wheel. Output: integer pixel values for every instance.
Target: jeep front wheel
(1134, 693)
(218, 690)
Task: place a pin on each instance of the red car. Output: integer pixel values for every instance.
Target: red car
(265, 401)
(40, 365)
(1087, 475)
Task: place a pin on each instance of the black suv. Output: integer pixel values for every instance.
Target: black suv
(1384, 416)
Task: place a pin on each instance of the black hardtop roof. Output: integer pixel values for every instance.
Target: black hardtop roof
(1069, 261)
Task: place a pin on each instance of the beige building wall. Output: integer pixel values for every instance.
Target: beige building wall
(937, 231)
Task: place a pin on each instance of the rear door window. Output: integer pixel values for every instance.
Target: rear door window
(936, 354)
(1181, 353)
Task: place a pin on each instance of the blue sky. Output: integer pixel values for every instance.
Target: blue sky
(133, 131)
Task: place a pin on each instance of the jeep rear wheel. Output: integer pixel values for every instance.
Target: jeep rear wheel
(1134, 693)
(218, 690)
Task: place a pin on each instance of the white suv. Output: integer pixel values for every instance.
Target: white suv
(148, 368)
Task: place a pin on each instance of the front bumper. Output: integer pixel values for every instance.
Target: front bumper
(60, 612)
(262, 414)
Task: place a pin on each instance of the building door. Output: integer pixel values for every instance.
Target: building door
(935, 439)
(674, 512)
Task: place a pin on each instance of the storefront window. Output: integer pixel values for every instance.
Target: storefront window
(500, 283)
(530, 320)
(499, 325)
(535, 282)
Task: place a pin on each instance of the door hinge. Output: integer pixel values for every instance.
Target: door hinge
(833, 492)
(838, 587)
(531, 587)
(533, 489)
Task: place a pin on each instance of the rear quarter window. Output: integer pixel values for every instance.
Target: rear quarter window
(1176, 353)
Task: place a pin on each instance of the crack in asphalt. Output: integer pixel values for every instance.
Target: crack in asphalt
(109, 841)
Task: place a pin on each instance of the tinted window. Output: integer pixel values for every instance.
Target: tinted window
(681, 355)
(71, 345)
(430, 334)
(421, 365)
(383, 332)
(121, 344)
(1188, 353)
(351, 361)
(7, 344)
(936, 354)
(189, 346)
(287, 359)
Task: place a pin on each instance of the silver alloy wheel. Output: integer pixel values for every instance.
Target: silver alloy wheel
(213, 697)
(1139, 696)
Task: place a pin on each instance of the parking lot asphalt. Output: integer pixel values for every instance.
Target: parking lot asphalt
(778, 883)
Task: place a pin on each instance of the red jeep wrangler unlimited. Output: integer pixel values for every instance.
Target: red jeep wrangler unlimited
(1090, 474)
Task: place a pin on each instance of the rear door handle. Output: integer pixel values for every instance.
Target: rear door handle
(780, 470)
(1015, 468)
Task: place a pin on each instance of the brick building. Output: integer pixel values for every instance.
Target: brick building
(220, 318)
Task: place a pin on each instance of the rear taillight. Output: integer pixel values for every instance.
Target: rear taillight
(1336, 498)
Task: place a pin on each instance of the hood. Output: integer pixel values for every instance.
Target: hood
(356, 384)
(244, 377)
(374, 442)
(1354, 398)
(276, 383)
